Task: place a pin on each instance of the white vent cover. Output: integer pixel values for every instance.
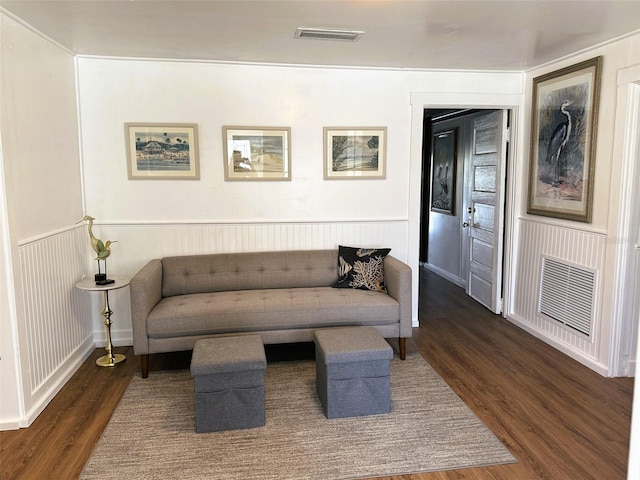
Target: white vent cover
(567, 293)
(328, 34)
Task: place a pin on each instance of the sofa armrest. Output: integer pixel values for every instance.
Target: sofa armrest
(146, 292)
(397, 278)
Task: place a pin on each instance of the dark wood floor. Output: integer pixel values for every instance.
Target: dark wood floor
(558, 418)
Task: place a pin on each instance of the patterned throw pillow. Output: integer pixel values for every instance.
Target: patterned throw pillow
(361, 268)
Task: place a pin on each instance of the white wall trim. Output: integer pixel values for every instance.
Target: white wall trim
(10, 425)
(58, 380)
(35, 31)
(13, 372)
(289, 65)
(510, 246)
(565, 348)
(465, 100)
(173, 223)
(119, 337)
(444, 274)
(76, 72)
(422, 100)
(553, 222)
(47, 235)
(627, 122)
(585, 51)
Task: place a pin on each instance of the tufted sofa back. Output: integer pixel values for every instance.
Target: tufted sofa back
(189, 274)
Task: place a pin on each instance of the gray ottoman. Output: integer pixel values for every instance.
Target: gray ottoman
(229, 383)
(353, 372)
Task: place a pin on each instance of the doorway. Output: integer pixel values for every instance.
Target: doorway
(462, 236)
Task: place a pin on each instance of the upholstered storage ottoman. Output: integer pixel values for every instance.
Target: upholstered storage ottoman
(229, 383)
(353, 372)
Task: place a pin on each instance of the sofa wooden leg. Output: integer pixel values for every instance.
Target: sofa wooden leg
(402, 344)
(144, 365)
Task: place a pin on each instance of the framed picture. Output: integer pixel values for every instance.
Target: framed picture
(563, 141)
(355, 152)
(162, 151)
(443, 171)
(257, 153)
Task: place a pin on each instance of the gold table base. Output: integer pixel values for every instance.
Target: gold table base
(110, 360)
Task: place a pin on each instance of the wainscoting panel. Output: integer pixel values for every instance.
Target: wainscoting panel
(572, 246)
(137, 244)
(57, 323)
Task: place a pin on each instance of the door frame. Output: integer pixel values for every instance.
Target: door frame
(624, 302)
(624, 342)
(486, 101)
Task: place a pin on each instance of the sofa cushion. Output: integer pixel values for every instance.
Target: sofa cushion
(270, 309)
(248, 271)
(361, 268)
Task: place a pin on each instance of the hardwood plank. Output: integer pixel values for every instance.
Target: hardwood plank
(558, 418)
(61, 439)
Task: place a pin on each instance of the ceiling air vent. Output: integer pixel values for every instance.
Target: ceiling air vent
(328, 34)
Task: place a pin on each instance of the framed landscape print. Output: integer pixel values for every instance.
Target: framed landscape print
(563, 141)
(162, 151)
(355, 152)
(257, 153)
(443, 171)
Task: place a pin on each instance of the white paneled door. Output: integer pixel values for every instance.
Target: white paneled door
(485, 192)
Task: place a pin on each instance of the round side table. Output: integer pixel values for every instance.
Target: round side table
(89, 284)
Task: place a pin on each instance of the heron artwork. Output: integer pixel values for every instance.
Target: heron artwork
(443, 180)
(102, 249)
(558, 141)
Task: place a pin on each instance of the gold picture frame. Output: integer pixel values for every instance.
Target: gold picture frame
(355, 153)
(162, 151)
(256, 153)
(563, 141)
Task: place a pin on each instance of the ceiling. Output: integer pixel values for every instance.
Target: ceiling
(432, 34)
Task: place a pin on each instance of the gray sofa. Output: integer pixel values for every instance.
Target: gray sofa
(284, 296)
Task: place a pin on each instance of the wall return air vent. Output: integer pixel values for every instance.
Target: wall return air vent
(567, 294)
(328, 34)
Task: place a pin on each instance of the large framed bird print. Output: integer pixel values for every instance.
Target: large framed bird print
(443, 171)
(563, 141)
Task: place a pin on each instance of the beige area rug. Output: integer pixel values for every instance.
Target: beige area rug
(152, 432)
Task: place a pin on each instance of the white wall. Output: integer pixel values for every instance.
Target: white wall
(40, 140)
(261, 214)
(42, 196)
(11, 408)
(115, 92)
(572, 241)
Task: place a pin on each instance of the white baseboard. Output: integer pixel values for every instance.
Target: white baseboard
(631, 368)
(12, 425)
(568, 350)
(443, 273)
(55, 382)
(119, 338)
